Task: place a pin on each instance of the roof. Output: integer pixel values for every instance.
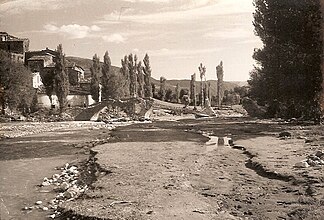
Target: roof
(37, 58)
(12, 38)
(44, 52)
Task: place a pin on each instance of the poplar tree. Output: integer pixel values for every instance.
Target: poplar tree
(61, 79)
(105, 75)
(177, 93)
(202, 71)
(140, 80)
(193, 89)
(147, 77)
(132, 67)
(125, 76)
(162, 88)
(94, 84)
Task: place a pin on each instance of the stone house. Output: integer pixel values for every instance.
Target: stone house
(15, 46)
(43, 62)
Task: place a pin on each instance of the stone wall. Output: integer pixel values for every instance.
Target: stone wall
(73, 100)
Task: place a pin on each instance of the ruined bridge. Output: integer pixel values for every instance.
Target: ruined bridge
(132, 107)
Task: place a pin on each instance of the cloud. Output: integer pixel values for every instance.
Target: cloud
(74, 31)
(18, 6)
(192, 12)
(136, 50)
(233, 33)
(180, 53)
(114, 38)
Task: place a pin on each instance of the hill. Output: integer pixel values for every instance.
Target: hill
(86, 63)
(185, 83)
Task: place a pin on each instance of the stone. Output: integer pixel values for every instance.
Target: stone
(52, 216)
(302, 164)
(284, 134)
(319, 154)
(64, 186)
(45, 208)
(38, 202)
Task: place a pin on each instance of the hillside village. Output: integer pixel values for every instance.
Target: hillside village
(42, 62)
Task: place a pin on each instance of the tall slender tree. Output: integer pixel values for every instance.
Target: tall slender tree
(202, 71)
(147, 77)
(220, 90)
(177, 93)
(193, 89)
(94, 84)
(132, 67)
(125, 76)
(106, 67)
(162, 91)
(61, 79)
(140, 80)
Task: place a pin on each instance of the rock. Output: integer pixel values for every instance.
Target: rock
(311, 162)
(68, 194)
(307, 140)
(149, 212)
(64, 186)
(52, 216)
(38, 202)
(319, 154)
(302, 164)
(45, 208)
(284, 134)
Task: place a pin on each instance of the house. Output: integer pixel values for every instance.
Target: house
(42, 62)
(15, 46)
(76, 74)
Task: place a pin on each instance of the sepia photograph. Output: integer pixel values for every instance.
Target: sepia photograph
(161, 109)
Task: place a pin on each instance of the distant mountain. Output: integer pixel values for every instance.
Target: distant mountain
(185, 83)
(170, 84)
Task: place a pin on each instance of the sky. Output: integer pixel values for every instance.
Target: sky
(178, 35)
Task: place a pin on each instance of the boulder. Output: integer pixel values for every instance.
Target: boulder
(302, 164)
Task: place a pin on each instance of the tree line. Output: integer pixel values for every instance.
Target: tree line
(133, 79)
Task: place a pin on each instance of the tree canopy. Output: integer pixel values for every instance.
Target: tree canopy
(287, 78)
(16, 90)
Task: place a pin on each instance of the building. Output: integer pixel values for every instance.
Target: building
(16, 47)
(42, 62)
(76, 74)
